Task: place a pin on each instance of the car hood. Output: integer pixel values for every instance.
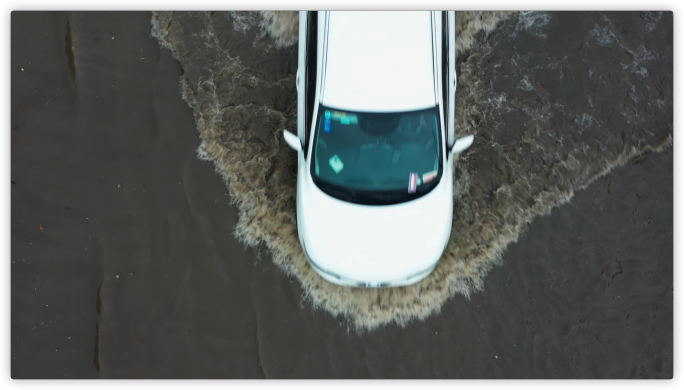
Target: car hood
(376, 243)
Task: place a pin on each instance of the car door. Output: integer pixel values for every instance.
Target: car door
(301, 76)
(449, 79)
(306, 74)
(444, 62)
(452, 78)
(312, 69)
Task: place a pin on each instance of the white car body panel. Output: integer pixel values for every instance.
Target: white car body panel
(452, 80)
(389, 245)
(382, 61)
(301, 98)
(374, 245)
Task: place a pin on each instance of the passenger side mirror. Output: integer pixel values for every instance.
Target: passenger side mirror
(292, 140)
(462, 144)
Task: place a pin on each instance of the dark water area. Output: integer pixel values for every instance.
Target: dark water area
(124, 258)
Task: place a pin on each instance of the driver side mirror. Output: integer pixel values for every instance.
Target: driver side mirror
(462, 144)
(292, 140)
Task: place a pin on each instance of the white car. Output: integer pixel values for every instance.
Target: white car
(376, 143)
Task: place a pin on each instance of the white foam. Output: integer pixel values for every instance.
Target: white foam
(243, 21)
(533, 22)
(603, 35)
(283, 26)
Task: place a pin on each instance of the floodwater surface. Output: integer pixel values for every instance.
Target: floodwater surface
(554, 99)
(133, 258)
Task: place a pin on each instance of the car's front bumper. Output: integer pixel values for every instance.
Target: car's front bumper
(344, 281)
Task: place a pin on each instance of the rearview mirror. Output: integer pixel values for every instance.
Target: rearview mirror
(462, 144)
(292, 140)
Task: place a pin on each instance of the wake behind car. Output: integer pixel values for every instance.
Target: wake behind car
(375, 143)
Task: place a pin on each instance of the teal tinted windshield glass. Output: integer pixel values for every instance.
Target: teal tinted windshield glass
(377, 158)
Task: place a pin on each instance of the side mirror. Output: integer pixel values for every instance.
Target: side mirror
(292, 140)
(462, 144)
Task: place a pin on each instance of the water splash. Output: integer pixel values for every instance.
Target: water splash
(547, 123)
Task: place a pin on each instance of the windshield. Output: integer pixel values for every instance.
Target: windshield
(377, 158)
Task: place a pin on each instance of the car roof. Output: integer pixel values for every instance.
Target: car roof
(379, 61)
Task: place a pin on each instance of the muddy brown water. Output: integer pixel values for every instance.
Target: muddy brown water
(104, 160)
